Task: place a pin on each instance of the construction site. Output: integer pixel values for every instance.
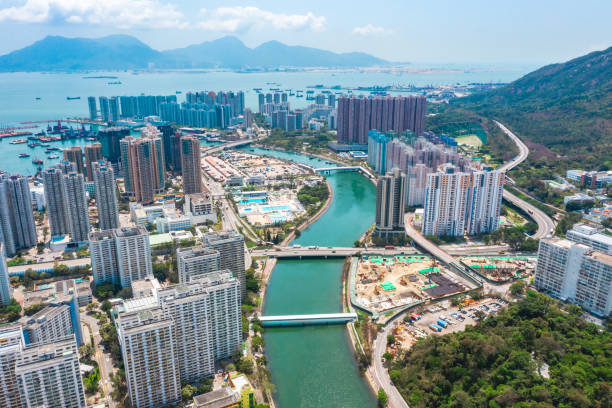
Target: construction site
(501, 268)
(384, 283)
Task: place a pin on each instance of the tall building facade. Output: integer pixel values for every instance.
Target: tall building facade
(104, 109)
(17, 228)
(11, 344)
(357, 116)
(77, 209)
(377, 149)
(51, 323)
(48, 375)
(591, 236)
(191, 165)
(53, 179)
(109, 139)
(484, 201)
(113, 105)
(93, 110)
(93, 153)
(196, 261)
(148, 345)
(576, 273)
(390, 203)
(74, 155)
(230, 245)
(416, 183)
(446, 197)
(103, 253)
(5, 285)
(106, 195)
(187, 305)
(145, 175)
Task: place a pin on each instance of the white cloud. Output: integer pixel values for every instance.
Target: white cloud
(233, 19)
(372, 30)
(119, 13)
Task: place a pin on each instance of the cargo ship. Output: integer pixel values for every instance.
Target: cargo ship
(12, 133)
(23, 155)
(19, 141)
(72, 98)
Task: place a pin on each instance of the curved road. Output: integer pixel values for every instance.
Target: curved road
(546, 225)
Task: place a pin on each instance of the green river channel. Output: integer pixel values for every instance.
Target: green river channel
(314, 366)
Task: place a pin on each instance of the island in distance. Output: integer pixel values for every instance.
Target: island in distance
(119, 52)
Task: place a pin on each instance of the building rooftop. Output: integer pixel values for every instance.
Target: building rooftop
(220, 398)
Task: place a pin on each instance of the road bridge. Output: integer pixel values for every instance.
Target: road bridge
(228, 145)
(330, 170)
(307, 320)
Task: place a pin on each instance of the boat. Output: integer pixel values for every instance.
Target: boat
(91, 139)
(179, 92)
(19, 141)
(53, 148)
(33, 145)
(54, 156)
(23, 155)
(38, 162)
(114, 83)
(72, 98)
(38, 98)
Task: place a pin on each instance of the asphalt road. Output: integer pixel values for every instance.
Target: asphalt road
(104, 360)
(546, 225)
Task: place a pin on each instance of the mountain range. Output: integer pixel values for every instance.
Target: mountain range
(119, 52)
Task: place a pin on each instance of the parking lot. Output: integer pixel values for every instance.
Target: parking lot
(456, 319)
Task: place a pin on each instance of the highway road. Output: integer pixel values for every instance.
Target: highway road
(546, 225)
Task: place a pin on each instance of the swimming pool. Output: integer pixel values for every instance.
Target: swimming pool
(271, 208)
(252, 200)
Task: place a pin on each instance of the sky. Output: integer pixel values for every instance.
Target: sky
(510, 32)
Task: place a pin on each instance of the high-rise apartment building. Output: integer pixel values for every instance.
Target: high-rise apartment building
(196, 261)
(145, 173)
(170, 139)
(73, 188)
(446, 198)
(377, 149)
(53, 322)
(591, 236)
(93, 153)
(17, 228)
(390, 204)
(148, 345)
(230, 245)
(74, 155)
(191, 165)
(104, 109)
(133, 254)
(5, 285)
(187, 305)
(484, 201)
(48, 375)
(224, 312)
(357, 116)
(576, 273)
(53, 179)
(106, 195)
(11, 344)
(109, 139)
(416, 182)
(93, 110)
(113, 104)
(103, 252)
(120, 256)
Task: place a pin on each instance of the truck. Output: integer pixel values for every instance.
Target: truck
(415, 317)
(442, 323)
(435, 327)
(389, 247)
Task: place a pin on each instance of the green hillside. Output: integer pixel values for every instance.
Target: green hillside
(534, 354)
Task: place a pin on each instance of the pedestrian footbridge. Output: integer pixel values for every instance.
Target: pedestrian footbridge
(308, 320)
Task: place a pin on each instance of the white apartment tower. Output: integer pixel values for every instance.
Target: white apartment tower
(446, 197)
(5, 285)
(55, 201)
(230, 245)
(11, 344)
(103, 252)
(17, 228)
(224, 312)
(576, 273)
(48, 375)
(196, 261)
(133, 254)
(390, 203)
(106, 195)
(148, 346)
(52, 322)
(484, 201)
(77, 211)
(120, 256)
(188, 305)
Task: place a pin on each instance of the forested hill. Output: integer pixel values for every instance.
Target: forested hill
(565, 107)
(534, 354)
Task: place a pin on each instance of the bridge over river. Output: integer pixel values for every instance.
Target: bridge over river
(308, 319)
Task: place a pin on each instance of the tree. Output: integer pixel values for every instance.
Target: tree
(517, 288)
(382, 398)
(33, 309)
(257, 343)
(125, 293)
(187, 391)
(357, 243)
(106, 306)
(245, 365)
(390, 339)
